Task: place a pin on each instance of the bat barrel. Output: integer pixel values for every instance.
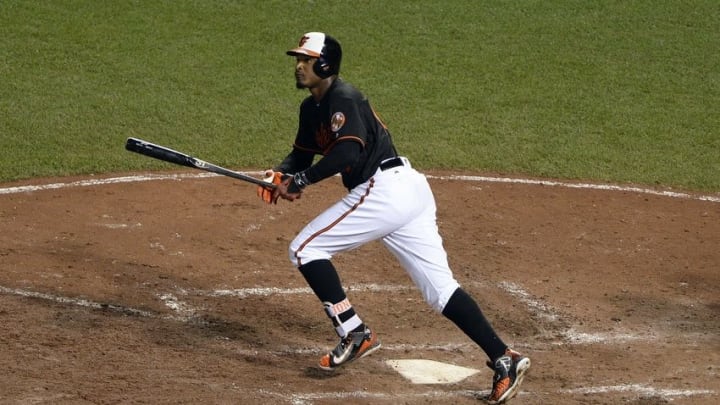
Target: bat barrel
(169, 155)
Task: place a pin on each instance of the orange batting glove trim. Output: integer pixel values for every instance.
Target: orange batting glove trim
(266, 193)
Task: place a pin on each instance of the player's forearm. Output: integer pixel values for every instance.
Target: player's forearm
(294, 162)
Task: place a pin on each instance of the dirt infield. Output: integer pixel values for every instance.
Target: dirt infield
(176, 288)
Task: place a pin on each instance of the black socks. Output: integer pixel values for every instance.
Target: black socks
(466, 314)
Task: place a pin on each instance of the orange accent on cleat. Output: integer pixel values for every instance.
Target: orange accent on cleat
(510, 370)
(354, 346)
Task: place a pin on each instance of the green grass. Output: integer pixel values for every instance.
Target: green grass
(621, 91)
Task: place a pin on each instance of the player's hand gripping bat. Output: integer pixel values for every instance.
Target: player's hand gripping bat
(162, 153)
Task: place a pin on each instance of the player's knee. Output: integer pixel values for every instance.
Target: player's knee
(291, 254)
(300, 254)
(294, 254)
(438, 298)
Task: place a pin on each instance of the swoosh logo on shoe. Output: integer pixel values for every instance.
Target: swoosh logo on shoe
(339, 359)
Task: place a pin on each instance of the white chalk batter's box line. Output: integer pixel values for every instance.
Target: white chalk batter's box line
(485, 179)
(182, 311)
(186, 313)
(638, 390)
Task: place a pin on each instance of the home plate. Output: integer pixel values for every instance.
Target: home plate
(430, 372)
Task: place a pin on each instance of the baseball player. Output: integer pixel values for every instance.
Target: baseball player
(387, 200)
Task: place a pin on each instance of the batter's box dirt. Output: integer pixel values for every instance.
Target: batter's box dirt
(176, 288)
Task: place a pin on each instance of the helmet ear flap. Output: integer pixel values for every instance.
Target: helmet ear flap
(328, 63)
(322, 68)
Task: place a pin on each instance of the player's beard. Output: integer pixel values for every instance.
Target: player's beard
(301, 82)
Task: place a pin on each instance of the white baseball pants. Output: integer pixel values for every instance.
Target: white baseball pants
(396, 206)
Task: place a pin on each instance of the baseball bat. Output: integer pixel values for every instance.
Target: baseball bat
(169, 155)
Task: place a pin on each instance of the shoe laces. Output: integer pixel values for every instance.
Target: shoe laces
(353, 338)
(502, 367)
(515, 356)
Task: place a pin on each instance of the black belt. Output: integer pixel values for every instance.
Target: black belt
(390, 163)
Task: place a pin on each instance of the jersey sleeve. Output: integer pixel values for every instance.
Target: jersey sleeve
(346, 121)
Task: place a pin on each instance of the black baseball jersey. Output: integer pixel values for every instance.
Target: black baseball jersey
(344, 115)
